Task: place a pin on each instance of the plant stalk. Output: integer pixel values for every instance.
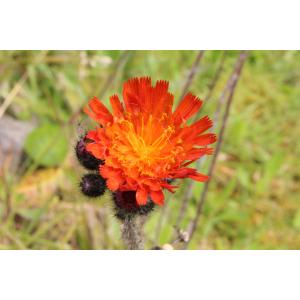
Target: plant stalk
(132, 233)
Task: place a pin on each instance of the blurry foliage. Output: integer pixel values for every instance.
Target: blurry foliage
(253, 202)
(46, 145)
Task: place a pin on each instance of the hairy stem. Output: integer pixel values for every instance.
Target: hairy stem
(132, 233)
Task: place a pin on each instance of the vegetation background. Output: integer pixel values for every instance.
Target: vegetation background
(253, 200)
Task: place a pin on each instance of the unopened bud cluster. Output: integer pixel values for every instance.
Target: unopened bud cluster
(92, 184)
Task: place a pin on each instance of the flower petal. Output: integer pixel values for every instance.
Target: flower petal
(134, 93)
(195, 153)
(199, 177)
(169, 187)
(97, 150)
(113, 176)
(98, 112)
(157, 197)
(188, 106)
(142, 196)
(92, 135)
(200, 126)
(107, 172)
(117, 106)
(113, 183)
(205, 139)
(162, 98)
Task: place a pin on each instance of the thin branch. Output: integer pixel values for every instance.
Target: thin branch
(188, 195)
(218, 73)
(188, 83)
(192, 73)
(231, 85)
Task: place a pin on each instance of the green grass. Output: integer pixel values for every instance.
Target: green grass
(253, 201)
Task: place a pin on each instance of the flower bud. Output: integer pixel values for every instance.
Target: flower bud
(92, 185)
(85, 158)
(156, 248)
(169, 180)
(126, 205)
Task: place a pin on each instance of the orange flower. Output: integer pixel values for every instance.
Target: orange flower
(145, 144)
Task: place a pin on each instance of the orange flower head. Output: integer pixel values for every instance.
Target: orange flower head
(144, 143)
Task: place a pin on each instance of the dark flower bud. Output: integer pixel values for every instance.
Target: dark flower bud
(86, 159)
(156, 248)
(92, 185)
(169, 180)
(127, 207)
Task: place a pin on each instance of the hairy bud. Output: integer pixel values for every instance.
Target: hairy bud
(127, 207)
(92, 185)
(85, 158)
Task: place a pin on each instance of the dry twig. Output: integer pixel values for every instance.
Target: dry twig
(231, 85)
(215, 79)
(188, 194)
(192, 73)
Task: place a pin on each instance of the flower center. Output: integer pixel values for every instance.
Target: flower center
(145, 146)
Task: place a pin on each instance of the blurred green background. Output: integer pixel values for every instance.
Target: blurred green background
(253, 200)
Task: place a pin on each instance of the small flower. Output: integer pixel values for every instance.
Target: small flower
(92, 185)
(144, 144)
